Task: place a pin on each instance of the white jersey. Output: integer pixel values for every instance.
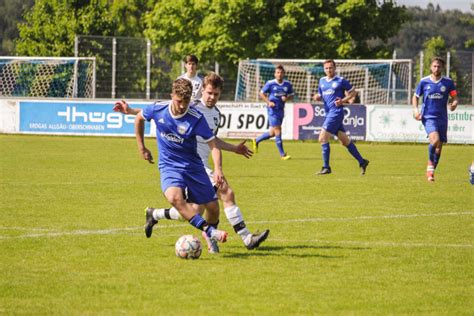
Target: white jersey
(212, 116)
(197, 85)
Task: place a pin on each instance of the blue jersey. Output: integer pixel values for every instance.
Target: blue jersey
(330, 90)
(435, 97)
(275, 91)
(176, 136)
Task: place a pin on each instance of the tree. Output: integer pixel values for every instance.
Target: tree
(11, 13)
(229, 30)
(51, 25)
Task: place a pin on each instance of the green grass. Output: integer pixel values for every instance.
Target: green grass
(72, 242)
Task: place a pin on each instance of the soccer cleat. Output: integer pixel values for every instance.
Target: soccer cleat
(363, 166)
(212, 245)
(324, 171)
(219, 235)
(254, 145)
(256, 239)
(285, 157)
(150, 221)
(430, 172)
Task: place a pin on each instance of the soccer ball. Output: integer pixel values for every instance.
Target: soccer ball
(188, 247)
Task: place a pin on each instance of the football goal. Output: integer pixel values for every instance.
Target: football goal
(385, 81)
(64, 77)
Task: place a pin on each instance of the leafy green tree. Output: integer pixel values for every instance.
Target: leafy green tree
(51, 25)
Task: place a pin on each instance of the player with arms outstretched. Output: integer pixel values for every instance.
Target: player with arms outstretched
(436, 91)
(335, 91)
(275, 93)
(212, 88)
(183, 177)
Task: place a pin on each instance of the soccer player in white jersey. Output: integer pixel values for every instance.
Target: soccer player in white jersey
(191, 74)
(436, 91)
(183, 177)
(212, 88)
(335, 91)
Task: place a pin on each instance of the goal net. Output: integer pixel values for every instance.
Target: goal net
(64, 77)
(376, 81)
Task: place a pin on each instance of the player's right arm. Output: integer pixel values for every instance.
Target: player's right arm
(122, 107)
(264, 94)
(140, 137)
(414, 103)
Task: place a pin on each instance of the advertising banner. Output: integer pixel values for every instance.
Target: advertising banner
(247, 120)
(75, 118)
(309, 118)
(396, 123)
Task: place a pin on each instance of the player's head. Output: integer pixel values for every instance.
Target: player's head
(181, 95)
(329, 67)
(212, 86)
(437, 65)
(279, 73)
(190, 63)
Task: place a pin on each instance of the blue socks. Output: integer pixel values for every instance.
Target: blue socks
(433, 156)
(279, 144)
(355, 153)
(198, 222)
(326, 152)
(262, 137)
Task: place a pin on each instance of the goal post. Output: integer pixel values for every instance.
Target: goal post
(64, 77)
(378, 81)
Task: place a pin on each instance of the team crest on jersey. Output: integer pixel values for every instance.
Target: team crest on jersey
(443, 88)
(182, 128)
(285, 88)
(334, 85)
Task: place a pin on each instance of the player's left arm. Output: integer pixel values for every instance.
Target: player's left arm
(289, 96)
(217, 159)
(239, 149)
(454, 99)
(349, 95)
(349, 92)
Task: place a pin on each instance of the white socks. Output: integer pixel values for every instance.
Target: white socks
(167, 213)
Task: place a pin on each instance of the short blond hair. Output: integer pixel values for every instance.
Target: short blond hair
(182, 88)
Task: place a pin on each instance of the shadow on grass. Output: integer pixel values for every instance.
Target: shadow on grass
(288, 251)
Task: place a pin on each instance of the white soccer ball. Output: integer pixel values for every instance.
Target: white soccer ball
(188, 247)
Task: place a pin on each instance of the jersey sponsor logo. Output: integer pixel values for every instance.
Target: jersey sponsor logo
(172, 137)
(279, 94)
(435, 96)
(328, 92)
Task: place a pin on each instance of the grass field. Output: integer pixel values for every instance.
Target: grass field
(72, 241)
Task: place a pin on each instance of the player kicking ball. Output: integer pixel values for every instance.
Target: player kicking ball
(183, 177)
(212, 88)
(436, 91)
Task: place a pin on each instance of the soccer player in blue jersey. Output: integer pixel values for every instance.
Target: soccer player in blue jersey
(436, 91)
(212, 88)
(334, 91)
(275, 93)
(183, 177)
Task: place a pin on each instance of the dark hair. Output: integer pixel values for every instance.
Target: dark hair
(182, 88)
(213, 80)
(438, 59)
(280, 66)
(190, 58)
(330, 61)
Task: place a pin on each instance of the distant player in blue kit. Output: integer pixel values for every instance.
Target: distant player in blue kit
(275, 93)
(334, 91)
(436, 91)
(183, 177)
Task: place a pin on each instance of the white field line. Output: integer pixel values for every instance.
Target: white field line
(111, 231)
(376, 243)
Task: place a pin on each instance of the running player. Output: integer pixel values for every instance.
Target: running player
(436, 91)
(275, 93)
(334, 91)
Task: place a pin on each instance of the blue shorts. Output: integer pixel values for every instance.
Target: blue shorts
(333, 124)
(275, 117)
(436, 126)
(196, 184)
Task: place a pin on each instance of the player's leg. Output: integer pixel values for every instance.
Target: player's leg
(324, 136)
(434, 146)
(235, 218)
(352, 148)
(279, 142)
(266, 135)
